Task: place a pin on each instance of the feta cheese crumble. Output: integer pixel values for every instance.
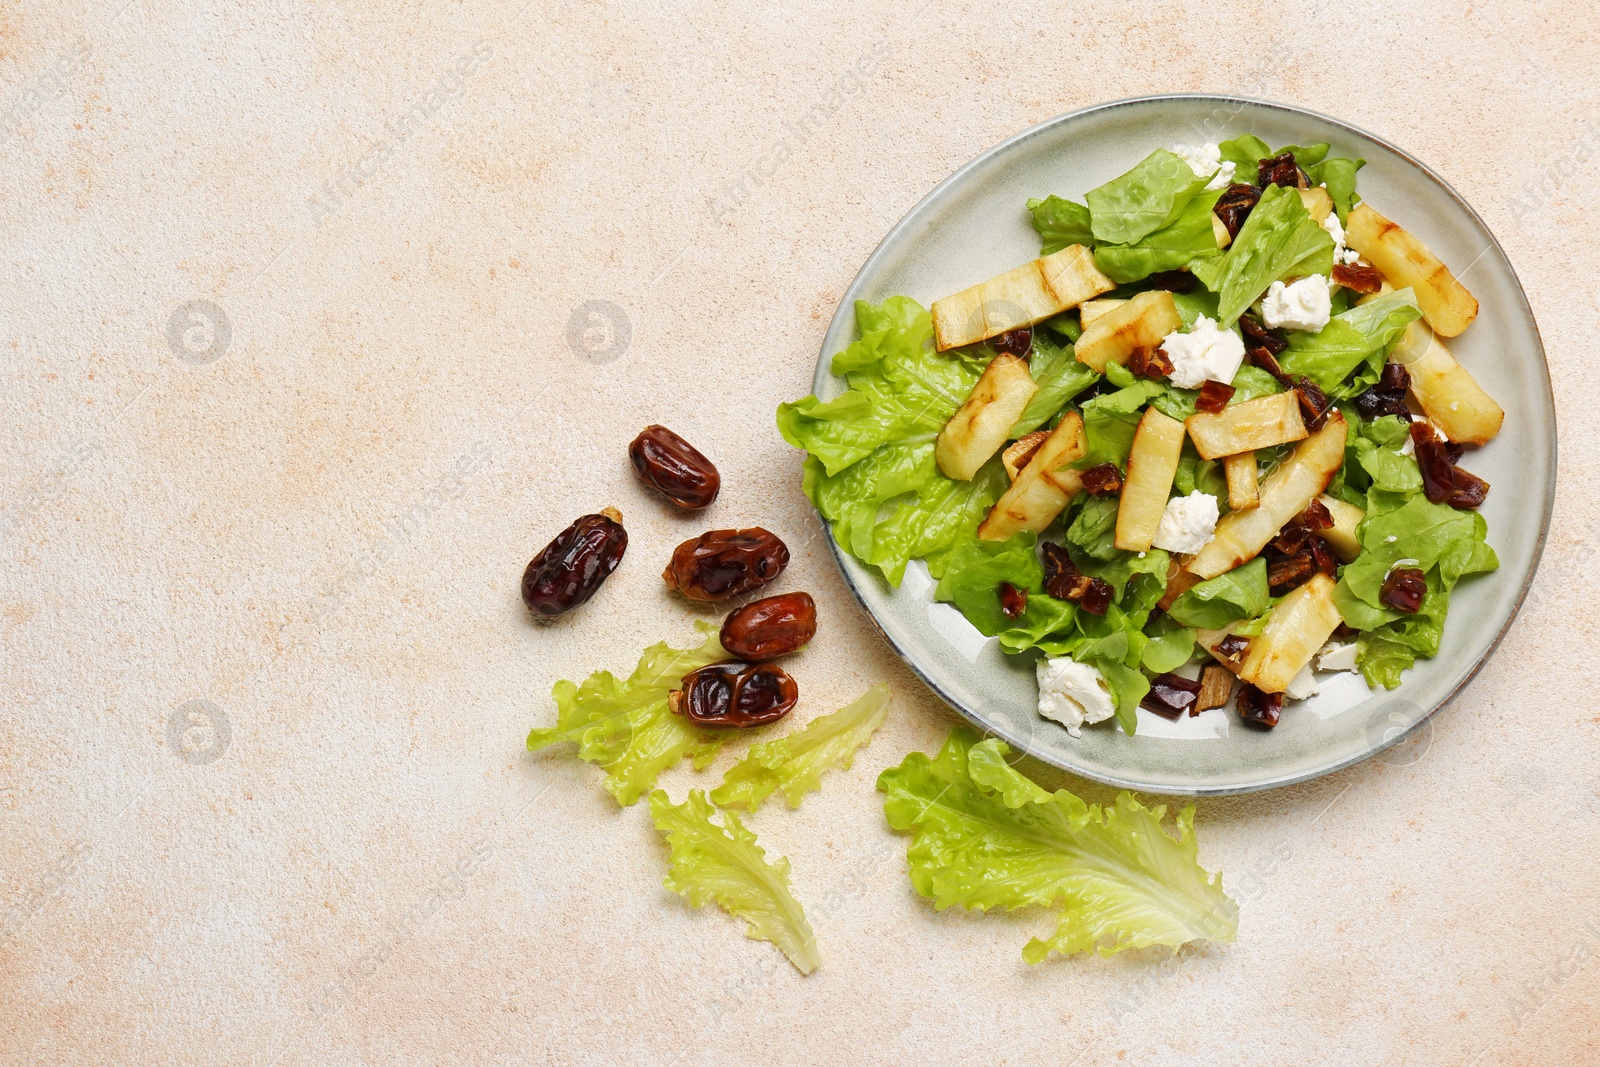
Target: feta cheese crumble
(1206, 160)
(1205, 352)
(1305, 305)
(1341, 254)
(1302, 685)
(1188, 523)
(1337, 656)
(1072, 693)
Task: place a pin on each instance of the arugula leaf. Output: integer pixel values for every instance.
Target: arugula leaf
(626, 727)
(1354, 340)
(1186, 238)
(724, 864)
(1143, 200)
(1278, 240)
(986, 836)
(1060, 223)
(1238, 594)
(795, 762)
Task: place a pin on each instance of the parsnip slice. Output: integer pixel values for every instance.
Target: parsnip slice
(980, 426)
(1259, 423)
(1090, 310)
(1300, 624)
(1317, 202)
(1043, 487)
(1021, 296)
(1152, 463)
(1179, 582)
(1241, 535)
(1018, 452)
(1341, 536)
(1142, 322)
(1405, 260)
(1244, 490)
(1444, 389)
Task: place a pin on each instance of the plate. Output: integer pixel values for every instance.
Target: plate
(974, 226)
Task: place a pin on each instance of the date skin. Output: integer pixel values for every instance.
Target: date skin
(734, 695)
(770, 627)
(570, 569)
(724, 563)
(674, 468)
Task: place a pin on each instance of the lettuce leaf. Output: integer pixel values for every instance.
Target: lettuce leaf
(1354, 340)
(1238, 594)
(1337, 173)
(1058, 376)
(795, 762)
(986, 836)
(626, 727)
(1188, 237)
(1278, 240)
(1060, 223)
(724, 864)
(1142, 201)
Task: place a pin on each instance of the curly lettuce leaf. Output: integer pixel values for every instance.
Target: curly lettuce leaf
(1060, 223)
(625, 727)
(1143, 200)
(1186, 238)
(1241, 593)
(1279, 240)
(985, 836)
(795, 763)
(1354, 342)
(724, 864)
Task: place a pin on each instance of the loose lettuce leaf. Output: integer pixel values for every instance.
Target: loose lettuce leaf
(1145, 199)
(1278, 240)
(795, 762)
(1354, 342)
(986, 836)
(1170, 647)
(724, 864)
(625, 727)
(1188, 237)
(1337, 173)
(1109, 422)
(1060, 223)
(1093, 529)
(1239, 594)
(1058, 376)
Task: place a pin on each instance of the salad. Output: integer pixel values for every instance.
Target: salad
(1208, 444)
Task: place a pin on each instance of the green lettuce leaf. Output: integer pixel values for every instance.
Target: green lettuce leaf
(1419, 531)
(724, 864)
(625, 727)
(1188, 237)
(1278, 240)
(1145, 199)
(1337, 173)
(985, 836)
(1239, 594)
(1060, 223)
(1058, 376)
(1354, 340)
(795, 762)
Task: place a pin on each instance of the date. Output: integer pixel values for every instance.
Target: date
(674, 468)
(724, 563)
(569, 570)
(771, 627)
(734, 695)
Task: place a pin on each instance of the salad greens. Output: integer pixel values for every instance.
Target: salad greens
(1279, 239)
(724, 864)
(984, 836)
(796, 762)
(1145, 199)
(1355, 342)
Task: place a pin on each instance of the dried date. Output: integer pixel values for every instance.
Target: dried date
(734, 695)
(724, 563)
(770, 627)
(674, 468)
(1214, 396)
(1171, 695)
(1235, 205)
(1018, 342)
(1404, 589)
(1103, 479)
(569, 570)
(1149, 363)
(1281, 170)
(1013, 601)
(1438, 472)
(1064, 581)
(1258, 708)
(1359, 278)
(1259, 336)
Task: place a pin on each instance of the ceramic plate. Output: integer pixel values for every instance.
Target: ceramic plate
(974, 225)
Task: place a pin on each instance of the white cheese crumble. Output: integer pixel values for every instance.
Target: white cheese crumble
(1206, 160)
(1205, 352)
(1337, 656)
(1341, 254)
(1188, 523)
(1302, 685)
(1305, 305)
(1073, 693)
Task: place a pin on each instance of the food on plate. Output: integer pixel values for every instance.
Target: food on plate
(795, 763)
(1234, 452)
(570, 569)
(723, 563)
(734, 695)
(674, 468)
(771, 627)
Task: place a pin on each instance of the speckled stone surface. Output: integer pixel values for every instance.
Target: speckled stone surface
(301, 368)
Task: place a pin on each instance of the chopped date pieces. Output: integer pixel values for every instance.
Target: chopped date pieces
(1282, 170)
(1214, 396)
(1233, 647)
(1149, 363)
(1173, 281)
(1234, 206)
(1314, 403)
(1438, 471)
(1289, 572)
(1013, 601)
(1261, 337)
(1018, 342)
(1388, 397)
(1315, 516)
(1362, 279)
(1103, 479)
(1404, 589)
(1470, 490)
(1064, 581)
(1394, 376)
(1258, 708)
(1171, 695)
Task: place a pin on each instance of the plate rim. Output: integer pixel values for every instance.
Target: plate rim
(824, 374)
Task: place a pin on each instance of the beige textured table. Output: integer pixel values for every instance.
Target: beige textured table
(286, 293)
